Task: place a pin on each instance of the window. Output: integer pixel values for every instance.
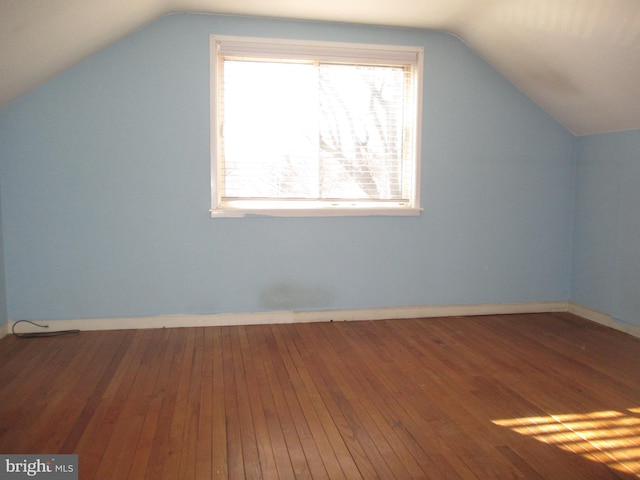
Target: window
(314, 128)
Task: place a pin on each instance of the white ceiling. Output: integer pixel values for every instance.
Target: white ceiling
(578, 59)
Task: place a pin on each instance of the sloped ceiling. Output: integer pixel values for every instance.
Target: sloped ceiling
(578, 59)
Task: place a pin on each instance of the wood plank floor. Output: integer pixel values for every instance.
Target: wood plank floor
(542, 396)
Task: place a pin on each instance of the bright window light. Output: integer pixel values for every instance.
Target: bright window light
(308, 128)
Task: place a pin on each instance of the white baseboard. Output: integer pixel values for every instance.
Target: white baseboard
(589, 313)
(4, 330)
(603, 319)
(256, 318)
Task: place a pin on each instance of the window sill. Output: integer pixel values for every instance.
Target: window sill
(316, 212)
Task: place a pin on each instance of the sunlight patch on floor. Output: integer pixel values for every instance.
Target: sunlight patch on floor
(609, 437)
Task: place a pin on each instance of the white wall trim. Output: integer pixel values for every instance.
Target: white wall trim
(262, 318)
(255, 318)
(603, 319)
(589, 313)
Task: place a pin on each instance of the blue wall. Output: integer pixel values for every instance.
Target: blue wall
(3, 293)
(606, 252)
(105, 190)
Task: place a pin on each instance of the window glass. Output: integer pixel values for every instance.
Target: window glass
(313, 136)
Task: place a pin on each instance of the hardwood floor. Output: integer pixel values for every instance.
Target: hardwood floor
(541, 396)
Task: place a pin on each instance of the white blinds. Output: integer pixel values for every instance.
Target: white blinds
(281, 49)
(306, 122)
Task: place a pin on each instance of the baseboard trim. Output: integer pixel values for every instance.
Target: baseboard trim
(603, 319)
(262, 318)
(343, 315)
(589, 313)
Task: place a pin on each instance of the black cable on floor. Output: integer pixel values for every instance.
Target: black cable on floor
(39, 334)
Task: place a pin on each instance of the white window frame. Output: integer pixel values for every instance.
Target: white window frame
(267, 48)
